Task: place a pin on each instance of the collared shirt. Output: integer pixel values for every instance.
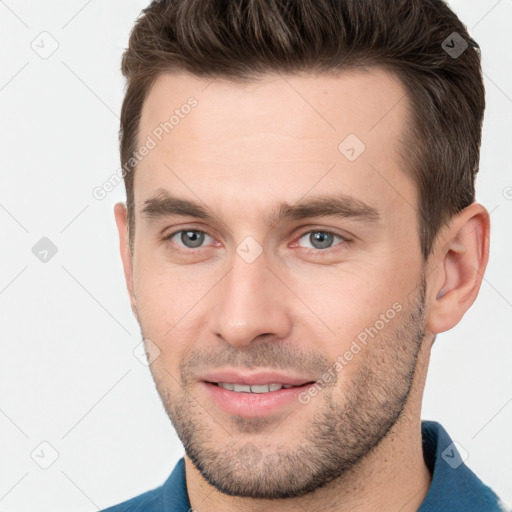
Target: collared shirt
(454, 487)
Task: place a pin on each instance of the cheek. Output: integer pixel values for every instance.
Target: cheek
(352, 308)
(160, 303)
(164, 293)
(169, 304)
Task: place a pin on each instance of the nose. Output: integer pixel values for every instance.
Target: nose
(250, 302)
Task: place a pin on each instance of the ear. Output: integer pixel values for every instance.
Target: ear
(460, 256)
(121, 217)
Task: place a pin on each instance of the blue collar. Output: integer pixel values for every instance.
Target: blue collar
(454, 486)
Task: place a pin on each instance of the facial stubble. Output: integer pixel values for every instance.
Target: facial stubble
(255, 461)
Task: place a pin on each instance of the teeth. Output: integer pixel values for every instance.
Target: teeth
(260, 388)
(263, 388)
(242, 388)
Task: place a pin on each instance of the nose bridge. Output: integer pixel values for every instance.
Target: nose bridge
(248, 303)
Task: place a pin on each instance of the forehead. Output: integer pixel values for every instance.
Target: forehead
(367, 102)
(281, 129)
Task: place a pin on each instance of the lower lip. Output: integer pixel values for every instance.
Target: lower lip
(250, 405)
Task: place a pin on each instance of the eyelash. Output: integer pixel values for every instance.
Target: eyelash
(316, 252)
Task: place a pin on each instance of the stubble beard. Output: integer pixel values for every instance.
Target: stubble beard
(349, 422)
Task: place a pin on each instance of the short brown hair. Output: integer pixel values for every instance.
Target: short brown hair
(241, 39)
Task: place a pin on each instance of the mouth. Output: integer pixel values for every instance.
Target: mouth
(256, 395)
(256, 388)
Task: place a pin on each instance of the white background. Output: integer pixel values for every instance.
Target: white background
(68, 373)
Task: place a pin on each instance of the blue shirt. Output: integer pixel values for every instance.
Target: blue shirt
(454, 487)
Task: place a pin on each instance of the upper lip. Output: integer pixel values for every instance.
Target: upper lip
(254, 378)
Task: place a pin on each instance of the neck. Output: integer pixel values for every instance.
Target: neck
(393, 476)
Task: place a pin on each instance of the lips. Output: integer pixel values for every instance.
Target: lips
(251, 404)
(252, 394)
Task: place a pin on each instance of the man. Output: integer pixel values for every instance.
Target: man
(300, 225)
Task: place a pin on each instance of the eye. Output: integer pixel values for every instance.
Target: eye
(188, 238)
(320, 239)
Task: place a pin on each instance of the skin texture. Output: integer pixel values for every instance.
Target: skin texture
(241, 152)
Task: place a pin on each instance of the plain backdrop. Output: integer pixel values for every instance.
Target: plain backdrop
(74, 397)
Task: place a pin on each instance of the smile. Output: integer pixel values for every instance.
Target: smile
(261, 388)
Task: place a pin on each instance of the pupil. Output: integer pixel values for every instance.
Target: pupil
(321, 240)
(192, 238)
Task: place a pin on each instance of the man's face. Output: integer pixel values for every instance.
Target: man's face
(266, 292)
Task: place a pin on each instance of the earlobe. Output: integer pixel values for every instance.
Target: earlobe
(121, 218)
(462, 258)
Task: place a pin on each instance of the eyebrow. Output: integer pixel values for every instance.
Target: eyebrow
(342, 206)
